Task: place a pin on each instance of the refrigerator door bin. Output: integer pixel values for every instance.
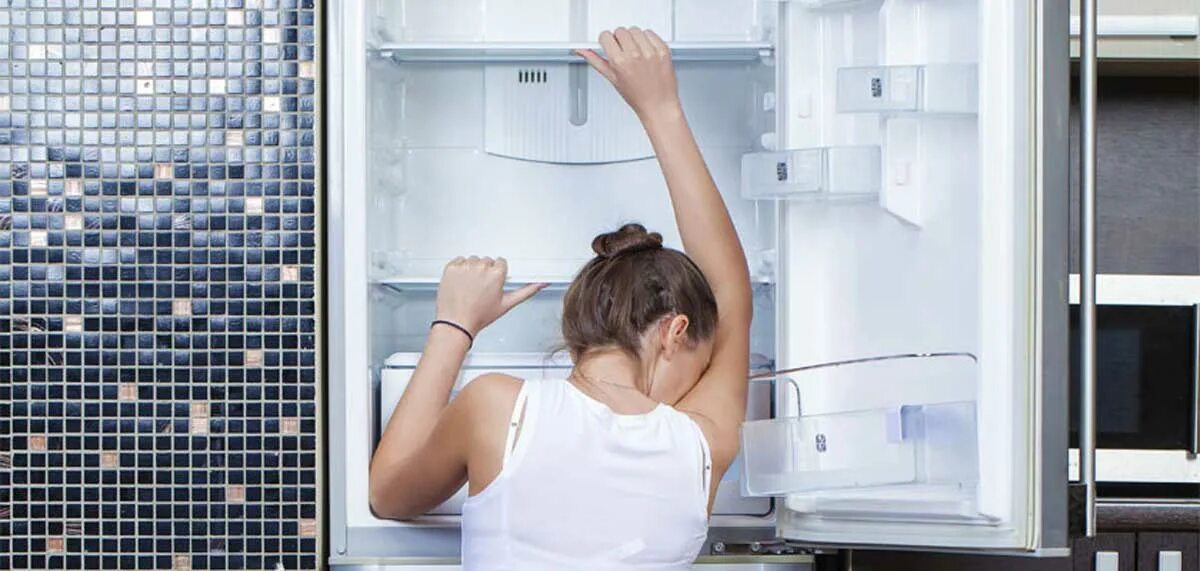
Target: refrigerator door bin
(938, 89)
(833, 174)
(921, 447)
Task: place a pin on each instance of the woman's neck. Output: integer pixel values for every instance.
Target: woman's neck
(613, 368)
(615, 379)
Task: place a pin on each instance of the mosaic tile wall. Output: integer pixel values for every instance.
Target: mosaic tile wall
(158, 232)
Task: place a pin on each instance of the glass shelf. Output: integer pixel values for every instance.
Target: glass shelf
(400, 284)
(510, 52)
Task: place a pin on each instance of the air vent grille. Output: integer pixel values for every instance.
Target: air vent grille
(532, 76)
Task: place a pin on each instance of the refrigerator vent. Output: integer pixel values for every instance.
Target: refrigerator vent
(558, 113)
(532, 76)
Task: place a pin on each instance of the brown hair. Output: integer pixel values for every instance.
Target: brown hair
(632, 283)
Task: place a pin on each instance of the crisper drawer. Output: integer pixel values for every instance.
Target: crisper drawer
(398, 370)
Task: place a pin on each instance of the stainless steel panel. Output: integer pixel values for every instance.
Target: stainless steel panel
(1054, 153)
(1195, 447)
(1087, 245)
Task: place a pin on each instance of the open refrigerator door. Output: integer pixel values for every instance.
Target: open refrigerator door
(914, 258)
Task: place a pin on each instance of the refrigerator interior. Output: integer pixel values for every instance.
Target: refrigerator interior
(468, 152)
(846, 137)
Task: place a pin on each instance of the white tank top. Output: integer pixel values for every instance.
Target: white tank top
(586, 488)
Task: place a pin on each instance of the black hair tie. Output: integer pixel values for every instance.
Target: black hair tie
(470, 337)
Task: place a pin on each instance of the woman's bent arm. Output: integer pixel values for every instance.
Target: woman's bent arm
(422, 456)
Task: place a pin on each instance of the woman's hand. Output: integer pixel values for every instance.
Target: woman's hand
(639, 66)
(472, 295)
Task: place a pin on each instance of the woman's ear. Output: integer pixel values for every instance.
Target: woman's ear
(674, 335)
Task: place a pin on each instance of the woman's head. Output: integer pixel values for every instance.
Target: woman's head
(649, 302)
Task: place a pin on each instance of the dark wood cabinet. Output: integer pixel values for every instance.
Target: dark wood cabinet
(1168, 551)
(916, 561)
(1148, 212)
(1105, 552)
(1143, 551)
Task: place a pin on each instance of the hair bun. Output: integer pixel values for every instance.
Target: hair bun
(628, 238)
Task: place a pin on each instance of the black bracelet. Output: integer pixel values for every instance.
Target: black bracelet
(456, 326)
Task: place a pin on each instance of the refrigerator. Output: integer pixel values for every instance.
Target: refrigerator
(896, 170)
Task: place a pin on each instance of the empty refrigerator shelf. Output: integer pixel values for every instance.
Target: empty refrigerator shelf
(485, 52)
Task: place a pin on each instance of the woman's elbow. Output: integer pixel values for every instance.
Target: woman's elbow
(384, 501)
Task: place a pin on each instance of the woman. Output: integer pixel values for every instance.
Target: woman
(614, 467)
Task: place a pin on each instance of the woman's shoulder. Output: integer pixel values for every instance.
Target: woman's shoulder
(490, 394)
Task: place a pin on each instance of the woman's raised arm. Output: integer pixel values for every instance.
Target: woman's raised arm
(638, 63)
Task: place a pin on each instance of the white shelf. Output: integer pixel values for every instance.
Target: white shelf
(492, 52)
(1151, 37)
(1143, 26)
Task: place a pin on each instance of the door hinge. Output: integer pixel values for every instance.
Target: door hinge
(772, 547)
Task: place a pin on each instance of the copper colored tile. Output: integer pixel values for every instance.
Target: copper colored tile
(109, 459)
(254, 357)
(199, 426)
(289, 426)
(235, 494)
(199, 409)
(127, 391)
(290, 273)
(55, 545)
(163, 170)
(181, 563)
(37, 443)
(308, 528)
(73, 323)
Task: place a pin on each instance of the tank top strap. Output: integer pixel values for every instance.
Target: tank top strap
(516, 420)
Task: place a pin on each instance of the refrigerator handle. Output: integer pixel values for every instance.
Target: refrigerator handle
(1194, 448)
(1087, 261)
